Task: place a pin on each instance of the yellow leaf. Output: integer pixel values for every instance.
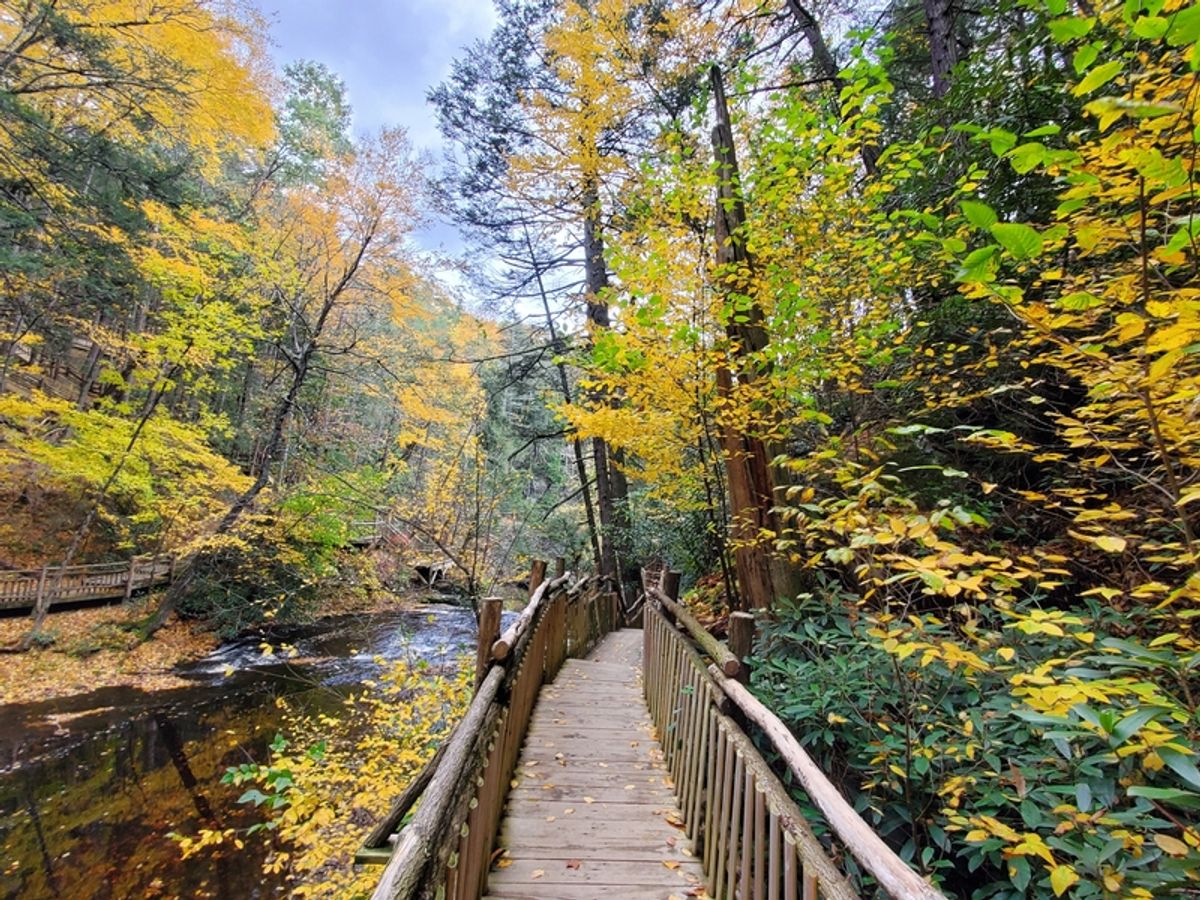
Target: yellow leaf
(1130, 326)
(1061, 878)
(1163, 365)
(1171, 845)
(1111, 543)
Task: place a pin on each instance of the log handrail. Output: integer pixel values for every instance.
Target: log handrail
(876, 857)
(753, 839)
(722, 655)
(445, 849)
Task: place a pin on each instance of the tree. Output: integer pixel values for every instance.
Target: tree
(330, 246)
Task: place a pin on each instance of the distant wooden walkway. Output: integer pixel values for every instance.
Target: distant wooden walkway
(593, 812)
(50, 585)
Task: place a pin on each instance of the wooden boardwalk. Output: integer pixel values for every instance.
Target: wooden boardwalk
(50, 585)
(592, 812)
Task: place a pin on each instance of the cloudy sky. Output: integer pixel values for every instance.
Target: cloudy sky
(389, 52)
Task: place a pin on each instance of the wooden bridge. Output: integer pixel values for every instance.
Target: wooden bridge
(50, 585)
(428, 561)
(602, 761)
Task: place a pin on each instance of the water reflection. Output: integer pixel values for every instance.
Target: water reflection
(92, 784)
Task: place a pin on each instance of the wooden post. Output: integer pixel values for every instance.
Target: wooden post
(560, 566)
(489, 631)
(537, 574)
(41, 591)
(741, 641)
(670, 584)
(171, 570)
(129, 578)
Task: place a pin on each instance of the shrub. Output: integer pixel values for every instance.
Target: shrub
(1009, 752)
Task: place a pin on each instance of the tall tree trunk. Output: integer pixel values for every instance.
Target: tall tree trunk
(943, 49)
(751, 490)
(565, 386)
(596, 280)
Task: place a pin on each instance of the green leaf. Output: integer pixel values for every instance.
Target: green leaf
(1021, 241)
(1070, 29)
(253, 796)
(1078, 301)
(979, 214)
(1001, 141)
(1020, 873)
(1183, 236)
(1185, 799)
(978, 265)
(1151, 27)
(1181, 765)
(1044, 131)
(1084, 57)
(1098, 77)
(1132, 723)
(1027, 157)
(1083, 796)
(1185, 27)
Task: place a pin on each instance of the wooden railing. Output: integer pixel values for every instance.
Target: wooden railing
(445, 850)
(49, 585)
(752, 838)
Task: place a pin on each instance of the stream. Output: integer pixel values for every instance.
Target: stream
(91, 785)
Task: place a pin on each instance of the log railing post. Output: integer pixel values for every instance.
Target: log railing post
(489, 630)
(537, 574)
(129, 578)
(40, 597)
(670, 584)
(560, 566)
(741, 641)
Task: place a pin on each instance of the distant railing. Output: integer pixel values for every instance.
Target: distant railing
(429, 561)
(445, 850)
(44, 587)
(752, 838)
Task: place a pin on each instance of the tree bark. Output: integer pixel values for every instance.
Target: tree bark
(751, 491)
(565, 386)
(596, 280)
(943, 50)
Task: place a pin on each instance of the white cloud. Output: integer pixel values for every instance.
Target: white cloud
(388, 53)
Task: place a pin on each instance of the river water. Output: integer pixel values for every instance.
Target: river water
(91, 785)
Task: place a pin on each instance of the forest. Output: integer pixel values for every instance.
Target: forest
(879, 320)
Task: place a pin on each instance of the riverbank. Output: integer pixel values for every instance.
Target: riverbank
(95, 647)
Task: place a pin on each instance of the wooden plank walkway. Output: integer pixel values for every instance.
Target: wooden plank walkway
(50, 585)
(592, 812)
